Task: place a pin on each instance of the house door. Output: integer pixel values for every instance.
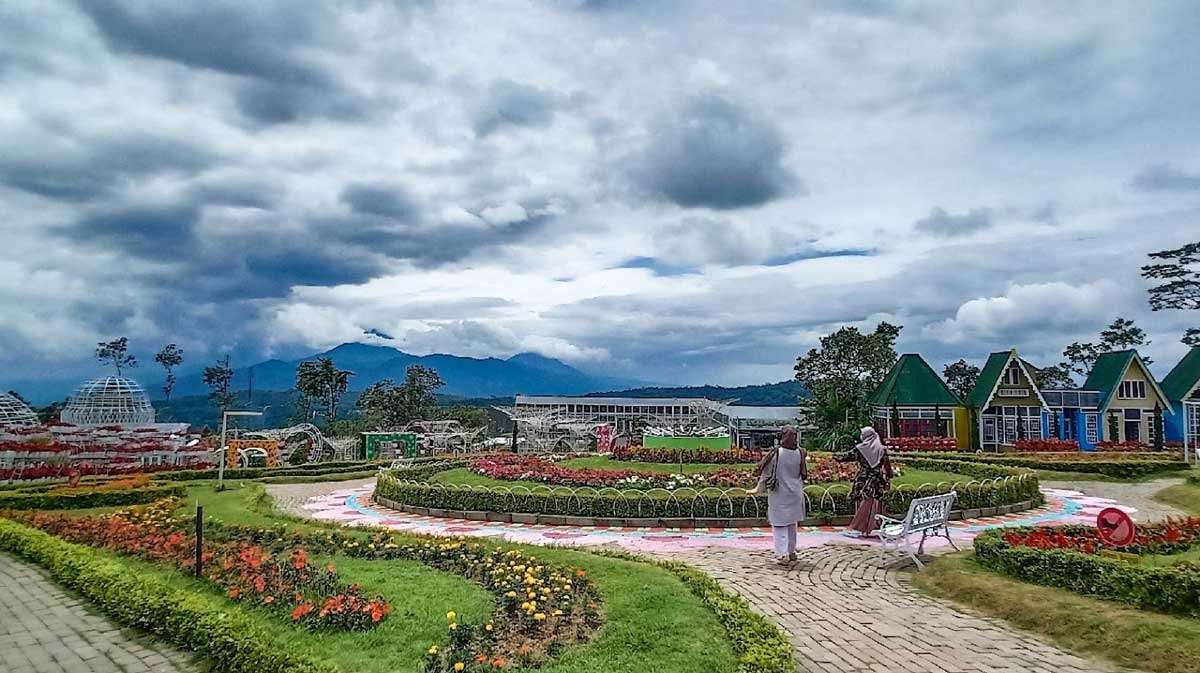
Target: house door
(1133, 425)
(989, 430)
(1009, 431)
(1068, 425)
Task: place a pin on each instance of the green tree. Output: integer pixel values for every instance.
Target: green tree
(386, 405)
(1119, 335)
(1179, 289)
(1054, 376)
(219, 379)
(468, 416)
(321, 380)
(841, 375)
(170, 357)
(961, 377)
(115, 353)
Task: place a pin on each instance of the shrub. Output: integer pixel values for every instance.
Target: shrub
(1173, 589)
(1115, 466)
(86, 497)
(229, 641)
(642, 454)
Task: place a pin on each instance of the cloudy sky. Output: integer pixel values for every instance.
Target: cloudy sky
(678, 191)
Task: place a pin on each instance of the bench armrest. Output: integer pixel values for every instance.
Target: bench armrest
(882, 519)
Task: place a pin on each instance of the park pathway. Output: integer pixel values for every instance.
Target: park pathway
(844, 614)
(841, 612)
(43, 629)
(1138, 495)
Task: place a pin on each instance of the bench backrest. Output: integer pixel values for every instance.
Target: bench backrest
(929, 512)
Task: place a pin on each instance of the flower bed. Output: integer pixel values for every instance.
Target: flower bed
(921, 443)
(1113, 465)
(1074, 558)
(641, 454)
(91, 494)
(54, 470)
(542, 608)
(282, 582)
(410, 487)
(230, 642)
(512, 467)
(1050, 445)
(1123, 446)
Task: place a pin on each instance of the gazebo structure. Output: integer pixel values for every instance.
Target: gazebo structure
(111, 400)
(15, 413)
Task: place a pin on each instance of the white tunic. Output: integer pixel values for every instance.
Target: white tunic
(785, 504)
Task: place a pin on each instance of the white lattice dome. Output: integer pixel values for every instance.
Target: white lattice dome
(112, 400)
(15, 412)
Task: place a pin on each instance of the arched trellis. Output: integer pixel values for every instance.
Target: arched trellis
(319, 447)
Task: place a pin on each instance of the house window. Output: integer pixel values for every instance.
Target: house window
(1012, 375)
(1132, 390)
(1092, 425)
(1133, 424)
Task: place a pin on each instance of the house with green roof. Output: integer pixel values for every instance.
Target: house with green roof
(1129, 397)
(1182, 388)
(1008, 404)
(913, 401)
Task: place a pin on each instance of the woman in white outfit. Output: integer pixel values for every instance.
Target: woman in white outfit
(781, 474)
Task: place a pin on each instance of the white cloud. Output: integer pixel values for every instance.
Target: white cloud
(505, 213)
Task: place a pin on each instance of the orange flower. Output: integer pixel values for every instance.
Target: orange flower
(234, 593)
(329, 567)
(581, 573)
(269, 599)
(498, 663)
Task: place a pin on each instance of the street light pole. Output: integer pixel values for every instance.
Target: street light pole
(225, 449)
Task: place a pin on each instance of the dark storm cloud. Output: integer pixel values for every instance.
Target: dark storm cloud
(1165, 178)
(509, 103)
(716, 154)
(99, 164)
(268, 103)
(392, 201)
(236, 192)
(253, 40)
(149, 232)
(941, 223)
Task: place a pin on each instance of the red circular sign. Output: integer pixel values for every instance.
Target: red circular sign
(1115, 527)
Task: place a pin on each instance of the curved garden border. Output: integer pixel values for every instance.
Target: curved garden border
(995, 490)
(1115, 465)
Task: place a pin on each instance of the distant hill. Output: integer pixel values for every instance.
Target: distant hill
(527, 373)
(784, 393)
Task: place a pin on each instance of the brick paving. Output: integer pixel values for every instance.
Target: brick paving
(844, 614)
(43, 629)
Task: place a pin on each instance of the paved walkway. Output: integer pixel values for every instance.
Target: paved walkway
(43, 629)
(841, 612)
(1137, 495)
(844, 614)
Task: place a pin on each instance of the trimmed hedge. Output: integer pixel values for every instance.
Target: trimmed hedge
(1171, 590)
(228, 640)
(408, 486)
(313, 469)
(40, 498)
(1119, 468)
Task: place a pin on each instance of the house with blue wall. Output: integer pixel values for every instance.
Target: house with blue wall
(1182, 388)
(1129, 399)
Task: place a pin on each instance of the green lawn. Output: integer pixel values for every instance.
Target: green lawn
(652, 620)
(1143, 640)
(1183, 496)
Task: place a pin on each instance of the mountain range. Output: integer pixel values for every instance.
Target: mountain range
(526, 373)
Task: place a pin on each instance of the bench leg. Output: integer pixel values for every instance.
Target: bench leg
(946, 530)
(911, 555)
(921, 547)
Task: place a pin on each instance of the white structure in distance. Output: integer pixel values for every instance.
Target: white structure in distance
(109, 400)
(15, 413)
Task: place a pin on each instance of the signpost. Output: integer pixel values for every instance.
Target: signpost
(1115, 527)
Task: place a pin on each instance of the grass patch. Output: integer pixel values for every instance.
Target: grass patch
(652, 621)
(1184, 496)
(1129, 637)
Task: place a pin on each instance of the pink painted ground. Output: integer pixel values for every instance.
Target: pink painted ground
(353, 507)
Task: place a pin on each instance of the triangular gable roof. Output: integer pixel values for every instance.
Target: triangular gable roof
(1110, 369)
(1184, 378)
(912, 381)
(989, 379)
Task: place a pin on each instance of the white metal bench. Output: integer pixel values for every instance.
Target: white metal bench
(927, 516)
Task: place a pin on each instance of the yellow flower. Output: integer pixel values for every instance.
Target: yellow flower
(557, 613)
(452, 615)
(458, 666)
(488, 627)
(533, 594)
(511, 594)
(453, 626)
(539, 616)
(433, 649)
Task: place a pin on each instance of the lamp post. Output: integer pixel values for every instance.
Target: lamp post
(224, 449)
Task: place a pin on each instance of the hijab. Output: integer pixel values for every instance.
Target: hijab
(871, 448)
(788, 439)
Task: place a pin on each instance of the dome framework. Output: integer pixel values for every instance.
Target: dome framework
(14, 412)
(111, 400)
